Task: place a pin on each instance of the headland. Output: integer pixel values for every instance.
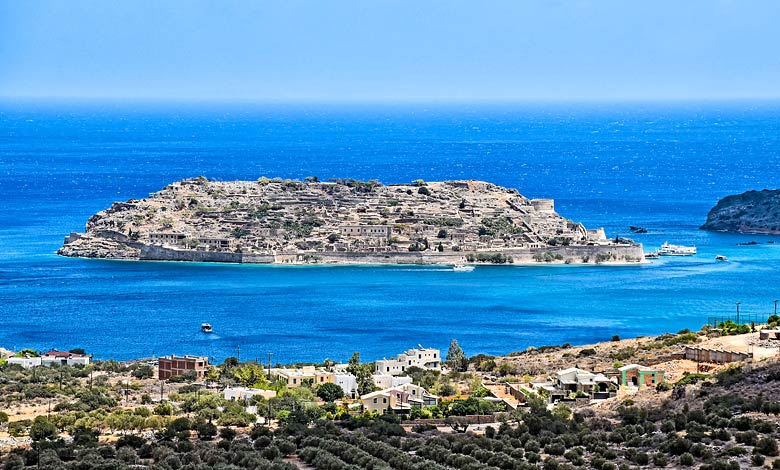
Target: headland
(343, 221)
(749, 212)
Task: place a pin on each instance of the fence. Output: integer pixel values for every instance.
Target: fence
(741, 319)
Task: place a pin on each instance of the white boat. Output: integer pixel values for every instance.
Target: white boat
(205, 327)
(667, 249)
(462, 268)
(721, 258)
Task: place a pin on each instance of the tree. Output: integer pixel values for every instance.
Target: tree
(363, 374)
(143, 372)
(42, 429)
(456, 359)
(330, 392)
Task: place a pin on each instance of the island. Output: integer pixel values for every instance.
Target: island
(749, 212)
(343, 221)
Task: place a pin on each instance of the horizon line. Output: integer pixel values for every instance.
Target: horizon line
(382, 101)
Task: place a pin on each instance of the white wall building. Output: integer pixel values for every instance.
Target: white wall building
(26, 362)
(62, 358)
(384, 381)
(424, 358)
(244, 393)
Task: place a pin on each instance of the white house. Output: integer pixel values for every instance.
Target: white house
(26, 362)
(389, 381)
(347, 382)
(61, 358)
(244, 393)
(424, 358)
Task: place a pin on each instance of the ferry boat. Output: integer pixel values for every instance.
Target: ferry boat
(667, 249)
(721, 258)
(462, 268)
(205, 327)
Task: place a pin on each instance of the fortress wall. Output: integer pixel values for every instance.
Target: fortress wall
(158, 253)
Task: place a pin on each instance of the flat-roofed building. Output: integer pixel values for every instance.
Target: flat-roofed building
(172, 366)
(424, 358)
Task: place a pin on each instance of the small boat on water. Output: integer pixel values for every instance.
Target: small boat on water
(206, 327)
(721, 258)
(667, 249)
(652, 255)
(462, 268)
(636, 229)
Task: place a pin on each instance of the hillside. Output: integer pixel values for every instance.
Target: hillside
(749, 212)
(342, 221)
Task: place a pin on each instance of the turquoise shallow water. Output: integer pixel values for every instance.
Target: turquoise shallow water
(657, 166)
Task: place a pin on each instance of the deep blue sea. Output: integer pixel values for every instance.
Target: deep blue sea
(661, 166)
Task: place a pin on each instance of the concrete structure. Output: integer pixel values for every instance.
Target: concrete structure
(424, 358)
(244, 393)
(166, 238)
(769, 334)
(574, 380)
(373, 231)
(61, 358)
(25, 362)
(172, 366)
(389, 381)
(719, 356)
(639, 376)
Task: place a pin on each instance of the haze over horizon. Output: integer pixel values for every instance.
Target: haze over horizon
(390, 50)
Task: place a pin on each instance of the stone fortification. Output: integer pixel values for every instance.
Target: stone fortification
(342, 221)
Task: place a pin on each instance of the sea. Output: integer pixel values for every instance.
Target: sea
(661, 166)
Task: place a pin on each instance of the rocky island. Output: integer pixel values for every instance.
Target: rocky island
(343, 221)
(749, 212)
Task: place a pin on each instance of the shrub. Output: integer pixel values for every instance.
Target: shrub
(587, 352)
(766, 446)
(686, 459)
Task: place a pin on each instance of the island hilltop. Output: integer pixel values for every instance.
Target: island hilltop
(749, 212)
(343, 221)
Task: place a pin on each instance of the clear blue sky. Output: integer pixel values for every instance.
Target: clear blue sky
(391, 49)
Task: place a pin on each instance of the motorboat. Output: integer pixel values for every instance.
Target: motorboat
(462, 268)
(667, 249)
(721, 258)
(206, 327)
(652, 255)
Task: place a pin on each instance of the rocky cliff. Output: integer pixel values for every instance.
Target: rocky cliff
(346, 220)
(749, 212)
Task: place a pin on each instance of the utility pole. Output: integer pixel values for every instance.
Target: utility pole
(239, 353)
(268, 420)
(738, 312)
(161, 390)
(775, 301)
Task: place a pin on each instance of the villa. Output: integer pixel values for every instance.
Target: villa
(424, 358)
(61, 358)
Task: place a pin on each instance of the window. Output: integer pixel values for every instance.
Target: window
(374, 400)
(384, 400)
(295, 381)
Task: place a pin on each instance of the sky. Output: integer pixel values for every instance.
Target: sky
(390, 50)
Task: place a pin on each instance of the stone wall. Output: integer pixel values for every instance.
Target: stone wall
(158, 253)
